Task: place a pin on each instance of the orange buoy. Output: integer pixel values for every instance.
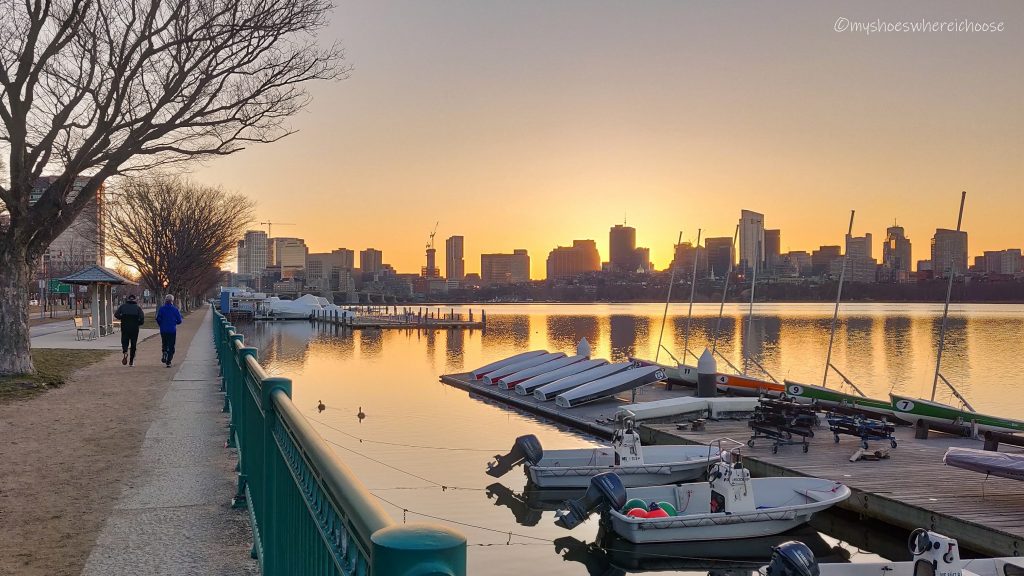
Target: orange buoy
(637, 513)
(657, 513)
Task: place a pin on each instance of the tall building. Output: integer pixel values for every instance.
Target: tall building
(896, 256)
(289, 254)
(505, 268)
(252, 253)
(858, 246)
(860, 266)
(949, 253)
(821, 259)
(1005, 262)
(721, 255)
(622, 248)
(371, 260)
(83, 243)
(795, 263)
(571, 261)
(431, 270)
(455, 262)
(682, 262)
(772, 250)
(751, 241)
(328, 270)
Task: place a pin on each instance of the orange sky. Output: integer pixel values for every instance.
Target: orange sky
(529, 124)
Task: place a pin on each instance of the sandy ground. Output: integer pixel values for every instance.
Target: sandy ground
(65, 455)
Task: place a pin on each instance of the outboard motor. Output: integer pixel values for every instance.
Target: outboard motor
(934, 554)
(792, 559)
(527, 448)
(605, 490)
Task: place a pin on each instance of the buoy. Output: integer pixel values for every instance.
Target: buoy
(637, 513)
(320, 406)
(634, 503)
(668, 508)
(656, 511)
(583, 348)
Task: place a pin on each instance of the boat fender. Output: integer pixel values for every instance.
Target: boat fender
(605, 490)
(792, 559)
(526, 449)
(633, 503)
(638, 513)
(668, 508)
(655, 511)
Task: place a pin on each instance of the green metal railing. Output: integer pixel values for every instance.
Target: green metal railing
(309, 512)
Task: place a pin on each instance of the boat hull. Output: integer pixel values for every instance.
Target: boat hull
(746, 386)
(704, 532)
(631, 476)
(830, 397)
(916, 408)
(679, 374)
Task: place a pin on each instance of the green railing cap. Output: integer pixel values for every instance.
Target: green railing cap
(418, 550)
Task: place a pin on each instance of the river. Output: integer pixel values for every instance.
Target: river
(422, 446)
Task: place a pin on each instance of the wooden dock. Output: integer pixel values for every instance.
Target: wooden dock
(405, 319)
(910, 489)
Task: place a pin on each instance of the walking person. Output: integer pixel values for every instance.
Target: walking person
(168, 317)
(131, 316)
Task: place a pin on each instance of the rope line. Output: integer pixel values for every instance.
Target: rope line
(414, 475)
(353, 436)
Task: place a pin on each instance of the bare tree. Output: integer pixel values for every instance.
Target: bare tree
(175, 233)
(98, 88)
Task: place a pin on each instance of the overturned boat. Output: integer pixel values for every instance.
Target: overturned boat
(730, 505)
(552, 390)
(610, 386)
(988, 462)
(527, 387)
(510, 381)
(636, 465)
(482, 371)
(491, 378)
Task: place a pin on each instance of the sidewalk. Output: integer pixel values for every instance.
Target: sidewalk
(176, 518)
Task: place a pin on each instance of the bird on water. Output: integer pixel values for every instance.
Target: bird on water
(320, 406)
(361, 415)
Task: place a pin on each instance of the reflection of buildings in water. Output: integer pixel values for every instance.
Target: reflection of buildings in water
(760, 337)
(334, 342)
(430, 337)
(956, 357)
(858, 345)
(701, 332)
(288, 342)
(898, 345)
(454, 347)
(371, 342)
(627, 332)
(565, 332)
(507, 330)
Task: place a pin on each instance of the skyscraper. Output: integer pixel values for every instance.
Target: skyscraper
(721, 254)
(751, 240)
(571, 261)
(455, 263)
(505, 268)
(252, 254)
(772, 250)
(622, 248)
(289, 254)
(821, 259)
(896, 255)
(371, 260)
(860, 266)
(682, 262)
(949, 252)
(83, 243)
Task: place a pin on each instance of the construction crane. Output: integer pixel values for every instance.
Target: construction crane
(269, 224)
(431, 243)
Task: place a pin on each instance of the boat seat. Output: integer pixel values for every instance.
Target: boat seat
(923, 568)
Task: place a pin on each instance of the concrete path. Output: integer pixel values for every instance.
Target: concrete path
(65, 339)
(176, 518)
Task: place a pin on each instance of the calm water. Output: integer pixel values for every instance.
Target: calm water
(425, 445)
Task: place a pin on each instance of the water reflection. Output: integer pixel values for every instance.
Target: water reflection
(565, 332)
(455, 342)
(628, 333)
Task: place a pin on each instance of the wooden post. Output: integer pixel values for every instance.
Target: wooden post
(921, 430)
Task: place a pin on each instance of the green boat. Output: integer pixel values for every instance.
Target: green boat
(833, 397)
(929, 411)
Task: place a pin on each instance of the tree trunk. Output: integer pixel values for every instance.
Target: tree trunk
(15, 348)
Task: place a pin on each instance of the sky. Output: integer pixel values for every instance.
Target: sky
(529, 124)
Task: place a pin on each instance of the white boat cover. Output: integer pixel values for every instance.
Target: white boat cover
(492, 378)
(663, 408)
(610, 386)
(550, 391)
(526, 387)
(1000, 464)
(479, 372)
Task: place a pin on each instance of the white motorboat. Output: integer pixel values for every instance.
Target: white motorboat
(492, 378)
(689, 406)
(635, 465)
(484, 370)
(730, 505)
(550, 391)
(509, 382)
(301, 308)
(610, 386)
(527, 387)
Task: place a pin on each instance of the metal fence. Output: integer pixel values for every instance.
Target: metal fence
(309, 512)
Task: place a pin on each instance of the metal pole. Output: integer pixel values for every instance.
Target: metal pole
(750, 311)
(839, 294)
(668, 298)
(693, 287)
(725, 290)
(949, 292)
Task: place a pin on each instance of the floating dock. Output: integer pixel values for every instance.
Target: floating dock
(910, 489)
(403, 319)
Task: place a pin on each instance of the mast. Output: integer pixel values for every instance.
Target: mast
(750, 311)
(693, 288)
(945, 310)
(839, 295)
(725, 290)
(668, 298)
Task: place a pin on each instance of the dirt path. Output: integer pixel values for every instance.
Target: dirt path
(65, 455)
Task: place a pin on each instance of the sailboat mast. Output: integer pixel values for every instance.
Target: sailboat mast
(949, 293)
(750, 311)
(839, 295)
(668, 298)
(725, 290)
(693, 288)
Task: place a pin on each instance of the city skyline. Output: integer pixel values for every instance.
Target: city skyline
(524, 118)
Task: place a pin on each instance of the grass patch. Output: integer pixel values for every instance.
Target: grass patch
(53, 368)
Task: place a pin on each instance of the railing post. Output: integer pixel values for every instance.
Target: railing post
(418, 550)
(271, 532)
(227, 399)
(237, 426)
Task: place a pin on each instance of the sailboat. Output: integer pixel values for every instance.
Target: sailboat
(932, 411)
(824, 395)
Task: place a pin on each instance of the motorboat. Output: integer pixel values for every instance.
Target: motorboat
(610, 386)
(527, 387)
(302, 308)
(553, 389)
(635, 464)
(480, 372)
(988, 462)
(918, 409)
(492, 378)
(731, 505)
(509, 382)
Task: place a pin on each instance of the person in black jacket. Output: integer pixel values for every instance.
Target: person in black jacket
(131, 317)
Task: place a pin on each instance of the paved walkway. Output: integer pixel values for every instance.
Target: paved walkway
(175, 517)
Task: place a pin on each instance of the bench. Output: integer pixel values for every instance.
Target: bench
(82, 326)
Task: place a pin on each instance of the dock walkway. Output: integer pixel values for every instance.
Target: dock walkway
(911, 489)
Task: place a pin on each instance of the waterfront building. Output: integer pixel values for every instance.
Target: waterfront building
(505, 268)
(821, 259)
(325, 270)
(1003, 262)
(571, 261)
(371, 260)
(289, 254)
(796, 263)
(455, 263)
(896, 256)
(949, 253)
(682, 262)
(721, 255)
(83, 243)
(252, 256)
(772, 251)
(751, 241)
(622, 248)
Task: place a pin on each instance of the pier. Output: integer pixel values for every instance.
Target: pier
(392, 317)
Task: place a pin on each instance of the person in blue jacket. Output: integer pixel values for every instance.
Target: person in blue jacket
(168, 317)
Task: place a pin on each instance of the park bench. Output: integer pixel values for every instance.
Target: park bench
(81, 325)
